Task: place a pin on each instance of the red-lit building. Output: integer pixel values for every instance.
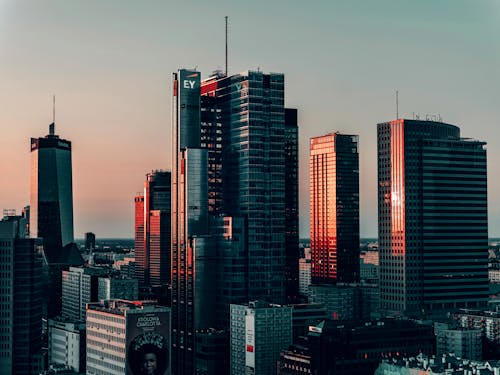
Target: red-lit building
(152, 230)
(334, 208)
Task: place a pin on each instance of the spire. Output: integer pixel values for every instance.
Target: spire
(53, 125)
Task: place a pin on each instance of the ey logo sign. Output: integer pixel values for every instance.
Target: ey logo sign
(189, 84)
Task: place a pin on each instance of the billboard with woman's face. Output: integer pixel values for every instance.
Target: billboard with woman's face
(148, 342)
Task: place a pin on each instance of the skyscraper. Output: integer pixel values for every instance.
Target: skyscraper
(291, 205)
(193, 252)
(152, 230)
(334, 208)
(51, 207)
(433, 223)
(21, 301)
(250, 107)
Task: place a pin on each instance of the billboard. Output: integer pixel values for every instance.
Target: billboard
(148, 342)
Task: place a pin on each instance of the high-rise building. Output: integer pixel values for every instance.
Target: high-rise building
(51, 212)
(152, 230)
(21, 299)
(259, 332)
(127, 337)
(89, 241)
(79, 287)
(291, 206)
(334, 208)
(51, 207)
(250, 107)
(433, 222)
(193, 250)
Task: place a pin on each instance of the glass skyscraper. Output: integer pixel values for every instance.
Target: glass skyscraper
(433, 219)
(152, 230)
(51, 207)
(334, 208)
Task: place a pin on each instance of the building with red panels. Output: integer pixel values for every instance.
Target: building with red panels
(152, 230)
(334, 208)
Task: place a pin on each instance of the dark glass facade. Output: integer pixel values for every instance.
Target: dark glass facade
(334, 208)
(51, 206)
(433, 227)
(291, 205)
(22, 302)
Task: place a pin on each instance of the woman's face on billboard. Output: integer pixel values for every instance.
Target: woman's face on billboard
(149, 363)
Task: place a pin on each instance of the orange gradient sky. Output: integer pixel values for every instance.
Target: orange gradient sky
(109, 63)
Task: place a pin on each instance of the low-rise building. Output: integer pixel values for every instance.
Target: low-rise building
(66, 339)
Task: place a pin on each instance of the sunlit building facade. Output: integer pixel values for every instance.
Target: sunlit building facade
(334, 208)
(433, 223)
(152, 230)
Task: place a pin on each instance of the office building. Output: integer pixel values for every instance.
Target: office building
(89, 241)
(67, 343)
(342, 301)
(51, 212)
(121, 335)
(51, 206)
(212, 352)
(291, 206)
(21, 299)
(117, 287)
(334, 208)
(252, 114)
(353, 348)
(304, 315)
(193, 250)
(152, 230)
(259, 332)
(463, 342)
(79, 287)
(433, 223)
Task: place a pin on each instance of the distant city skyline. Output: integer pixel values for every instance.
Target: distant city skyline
(109, 65)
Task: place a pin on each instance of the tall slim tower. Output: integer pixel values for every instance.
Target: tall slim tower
(433, 218)
(193, 252)
(152, 230)
(51, 206)
(334, 208)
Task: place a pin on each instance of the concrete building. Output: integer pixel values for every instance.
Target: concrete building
(304, 276)
(117, 287)
(79, 287)
(463, 342)
(66, 339)
(342, 301)
(305, 314)
(120, 334)
(432, 198)
(21, 298)
(369, 266)
(259, 332)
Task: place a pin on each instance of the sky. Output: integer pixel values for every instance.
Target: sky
(110, 63)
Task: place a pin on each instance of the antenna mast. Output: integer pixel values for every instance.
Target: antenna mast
(226, 43)
(397, 104)
(53, 125)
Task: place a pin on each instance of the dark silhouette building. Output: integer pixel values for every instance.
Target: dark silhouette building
(51, 212)
(433, 218)
(353, 348)
(89, 241)
(21, 302)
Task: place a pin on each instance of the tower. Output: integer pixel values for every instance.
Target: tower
(51, 206)
(334, 208)
(433, 223)
(152, 230)
(193, 251)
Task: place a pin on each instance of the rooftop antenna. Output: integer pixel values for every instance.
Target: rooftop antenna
(397, 104)
(226, 43)
(53, 125)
